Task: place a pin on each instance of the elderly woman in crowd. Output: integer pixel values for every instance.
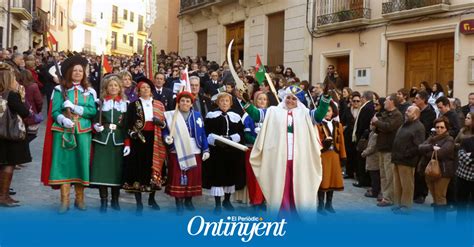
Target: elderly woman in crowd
(441, 146)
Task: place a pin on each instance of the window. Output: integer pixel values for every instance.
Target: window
(125, 14)
(61, 18)
(114, 40)
(114, 14)
(124, 39)
(53, 12)
(140, 46)
(132, 16)
(140, 23)
(131, 41)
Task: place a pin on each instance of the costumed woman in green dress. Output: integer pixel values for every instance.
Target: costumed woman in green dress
(109, 140)
(67, 157)
(143, 167)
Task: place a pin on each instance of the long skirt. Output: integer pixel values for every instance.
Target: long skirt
(138, 165)
(70, 165)
(332, 172)
(288, 201)
(255, 192)
(193, 187)
(107, 164)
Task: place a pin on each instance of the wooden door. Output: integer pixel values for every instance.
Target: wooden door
(430, 61)
(202, 43)
(237, 33)
(276, 39)
(342, 69)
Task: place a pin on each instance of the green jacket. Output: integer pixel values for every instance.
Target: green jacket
(113, 112)
(80, 97)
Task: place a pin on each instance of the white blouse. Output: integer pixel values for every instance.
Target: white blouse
(147, 109)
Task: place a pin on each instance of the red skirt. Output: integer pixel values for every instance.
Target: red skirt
(255, 193)
(194, 185)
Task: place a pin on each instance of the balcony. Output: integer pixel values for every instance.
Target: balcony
(89, 20)
(117, 22)
(142, 30)
(21, 9)
(188, 5)
(398, 9)
(40, 21)
(337, 14)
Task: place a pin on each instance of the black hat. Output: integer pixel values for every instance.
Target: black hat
(144, 79)
(71, 62)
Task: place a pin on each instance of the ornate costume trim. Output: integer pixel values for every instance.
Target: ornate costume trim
(233, 117)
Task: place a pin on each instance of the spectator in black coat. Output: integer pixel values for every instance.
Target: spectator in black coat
(202, 103)
(470, 106)
(165, 95)
(444, 107)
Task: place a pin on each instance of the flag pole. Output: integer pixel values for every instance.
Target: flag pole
(272, 87)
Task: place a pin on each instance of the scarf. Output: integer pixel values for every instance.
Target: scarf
(159, 149)
(182, 141)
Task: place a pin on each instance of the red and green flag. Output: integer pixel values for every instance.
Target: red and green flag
(260, 74)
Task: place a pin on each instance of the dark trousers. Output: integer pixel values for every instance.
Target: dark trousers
(375, 182)
(363, 177)
(451, 193)
(351, 163)
(465, 199)
(421, 189)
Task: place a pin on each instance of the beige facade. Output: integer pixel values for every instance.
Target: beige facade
(106, 26)
(216, 20)
(165, 30)
(396, 45)
(20, 18)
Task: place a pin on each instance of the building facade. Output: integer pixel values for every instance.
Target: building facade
(274, 29)
(107, 26)
(165, 30)
(15, 21)
(391, 44)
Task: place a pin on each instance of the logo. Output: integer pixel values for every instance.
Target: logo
(246, 227)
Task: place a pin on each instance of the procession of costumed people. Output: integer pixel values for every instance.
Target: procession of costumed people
(109, 142)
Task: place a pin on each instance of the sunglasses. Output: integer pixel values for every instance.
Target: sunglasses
(356, 101)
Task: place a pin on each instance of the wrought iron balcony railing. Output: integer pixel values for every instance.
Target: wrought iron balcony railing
(334, 11)
(190, 4)
(390, 6)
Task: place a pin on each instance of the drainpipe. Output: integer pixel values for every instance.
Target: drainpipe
(8, 24)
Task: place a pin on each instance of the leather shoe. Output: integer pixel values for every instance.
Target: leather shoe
(347, 176)
(358, 185)
(11, 192)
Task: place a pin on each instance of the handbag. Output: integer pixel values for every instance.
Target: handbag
(433, 170)
(11, 125)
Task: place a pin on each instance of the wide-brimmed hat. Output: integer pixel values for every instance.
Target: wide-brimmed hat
(142, 80)
(71, 62)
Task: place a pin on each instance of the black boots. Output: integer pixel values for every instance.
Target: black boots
(218, 208)
(152, 202)
(103, 193)
(114, 203)
(179, 206)
(321, 203)
(328, 205)
(226, 203)
(188, 203)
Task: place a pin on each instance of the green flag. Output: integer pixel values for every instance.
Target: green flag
(260, 74)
